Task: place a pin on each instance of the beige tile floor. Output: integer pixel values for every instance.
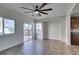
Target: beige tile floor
(42, 47)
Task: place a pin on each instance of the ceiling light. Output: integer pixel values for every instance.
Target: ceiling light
(36, 12)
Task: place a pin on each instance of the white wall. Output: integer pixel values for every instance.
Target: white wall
(7, 41)
(45, 30)
(54, 30)
(63, 29)
(68, 30)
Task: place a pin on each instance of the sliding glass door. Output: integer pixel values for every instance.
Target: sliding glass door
(27, 31)
(39, 31)
(1, 25)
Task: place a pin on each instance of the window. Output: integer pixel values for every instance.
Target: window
(9, 26)
(27, 31)
(1, 25)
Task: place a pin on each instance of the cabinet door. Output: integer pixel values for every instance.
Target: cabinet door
(78, 22)
(74, 22)
(75, 40)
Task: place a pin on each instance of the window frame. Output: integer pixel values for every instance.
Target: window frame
(4, 18)
(2, 27)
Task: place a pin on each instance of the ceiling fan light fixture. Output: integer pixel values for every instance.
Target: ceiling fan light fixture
(36, 12)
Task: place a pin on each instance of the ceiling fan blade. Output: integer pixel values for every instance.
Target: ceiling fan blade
(33, 6)
(26, 8)
(39, 14)
(28, 12)
(42, 5)
(46, 9)
(43, 12)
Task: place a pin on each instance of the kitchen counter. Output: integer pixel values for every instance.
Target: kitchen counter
(75, 31)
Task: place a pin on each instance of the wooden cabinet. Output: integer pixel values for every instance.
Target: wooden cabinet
(74, 22)
(75, 35)
(74, 39)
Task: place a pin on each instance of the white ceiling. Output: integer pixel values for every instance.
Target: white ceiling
(59, 9)
(75, 11)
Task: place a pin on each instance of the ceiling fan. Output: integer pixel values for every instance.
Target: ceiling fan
(38, 9)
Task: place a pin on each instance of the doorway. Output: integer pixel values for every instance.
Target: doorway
(28, 31)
